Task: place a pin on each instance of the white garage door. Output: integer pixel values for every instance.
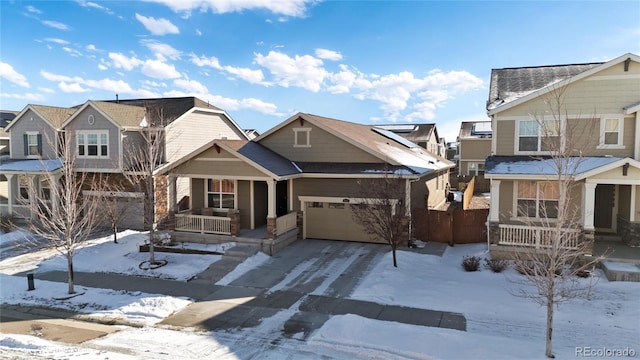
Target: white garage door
(333, 221)
(130, 205)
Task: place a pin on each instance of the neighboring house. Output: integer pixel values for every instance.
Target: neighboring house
(5, 119)
(474, 145)
(102, 133)
(424, 135)
(600, 102)
(302, 174)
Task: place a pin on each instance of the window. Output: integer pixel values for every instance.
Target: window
(336, 206)
(538, 199)
(32, 144)
(93, 144)
(538, 136)
(23, 184)
(316, 204)
(611, 132)
(475, 168)
(301, 137)
(221, 194)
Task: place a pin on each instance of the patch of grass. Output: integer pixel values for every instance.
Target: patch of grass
(471, 263)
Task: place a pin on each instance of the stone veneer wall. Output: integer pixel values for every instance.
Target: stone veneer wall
(629, 232)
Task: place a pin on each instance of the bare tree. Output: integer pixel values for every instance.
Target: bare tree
(114, 210)
(381, 210)
(554, 264)
(62, 215)
(144, 158)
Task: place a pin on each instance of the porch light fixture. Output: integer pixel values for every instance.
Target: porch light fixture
(625, 169)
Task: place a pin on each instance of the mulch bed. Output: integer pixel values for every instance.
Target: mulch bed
(175, 250)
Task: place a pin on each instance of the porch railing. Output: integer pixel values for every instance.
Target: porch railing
(203, 224)
(535, 236)
(287, 222)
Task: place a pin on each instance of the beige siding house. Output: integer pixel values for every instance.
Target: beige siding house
(300, 179)
(474, 145)
(597, 122)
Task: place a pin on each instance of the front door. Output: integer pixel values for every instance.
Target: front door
(281, 198)
(603, 209)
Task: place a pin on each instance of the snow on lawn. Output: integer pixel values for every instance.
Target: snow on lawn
(610, 319)
(103, 255)
(132, 307)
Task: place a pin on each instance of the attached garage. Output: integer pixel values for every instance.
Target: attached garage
(131, 204)
(331, 219)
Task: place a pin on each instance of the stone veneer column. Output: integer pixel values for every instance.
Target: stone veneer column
(235, 221)
(494, 232)
(271, 228)
(300, 224)
(588, 236)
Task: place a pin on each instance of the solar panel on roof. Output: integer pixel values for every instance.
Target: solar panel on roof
(399, 127)
(395, 137)
(481, 128)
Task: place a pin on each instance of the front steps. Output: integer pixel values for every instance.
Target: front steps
(621, 271)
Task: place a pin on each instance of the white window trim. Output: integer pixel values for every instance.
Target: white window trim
(475, 167)
(86, 144)
(603, 121)
(29, 156)
(516, 141)
(235, 193)
(295, 137)
(515, 204)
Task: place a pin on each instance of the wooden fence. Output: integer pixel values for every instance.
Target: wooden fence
(454, 226)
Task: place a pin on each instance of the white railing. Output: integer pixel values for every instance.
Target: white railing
(286, 222)
(203, 224)
(536, 236)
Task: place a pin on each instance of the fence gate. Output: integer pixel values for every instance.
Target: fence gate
(455, 226)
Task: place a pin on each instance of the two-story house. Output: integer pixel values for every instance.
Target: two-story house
(300, 178)
(473, 146)
(101, 134)
(424, 135)
(579, 122)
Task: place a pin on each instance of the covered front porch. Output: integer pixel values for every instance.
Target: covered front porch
(231, 198)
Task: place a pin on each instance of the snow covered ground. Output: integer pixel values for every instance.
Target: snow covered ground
(499, 325)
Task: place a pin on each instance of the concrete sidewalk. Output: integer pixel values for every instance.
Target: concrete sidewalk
(245, 302)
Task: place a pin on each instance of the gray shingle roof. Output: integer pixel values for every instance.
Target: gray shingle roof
(124, 115)
(468, 130)
(509, 84)
(171, 108)
(262, 156)
(54, 114)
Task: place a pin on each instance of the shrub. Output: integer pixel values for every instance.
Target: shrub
(496, 265)
(525, 268)
(7, 223)
(471, 263)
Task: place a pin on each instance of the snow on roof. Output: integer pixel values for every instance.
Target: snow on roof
(527, 165)
(31, 166)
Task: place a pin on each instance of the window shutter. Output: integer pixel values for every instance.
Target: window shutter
(26, 144)
(40, 144)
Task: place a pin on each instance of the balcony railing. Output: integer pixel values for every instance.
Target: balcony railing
(203, 224)
(536, 236)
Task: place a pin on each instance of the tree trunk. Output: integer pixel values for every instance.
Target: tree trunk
(393, 250)
(115, 233)
(550, 289)
(151, 216)
(70, 272)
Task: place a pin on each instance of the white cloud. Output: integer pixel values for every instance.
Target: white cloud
(9, 73)
(119, 60)
(162, 51)
(260, 106)
(55, 77)
(159, 26)
(25, 96)
(46, 90)
(192, 86)
(71, 88)
(205, 61)
(33, 9)
(159, 70)
(91, 47)
(328, 54)
(115, 86)
(301, 71)
(72, 52)
(55, 25)
(292, 8)
(90, 4)
(198, 32)
(57, 41)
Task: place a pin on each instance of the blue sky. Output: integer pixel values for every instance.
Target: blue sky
(369, 62)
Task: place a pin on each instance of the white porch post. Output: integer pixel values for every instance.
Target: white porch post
(33, 191)
(10, 195)
(494, 208)
(252, 205)
(636, 152)
(271, 198)
(407, 197)
(54, 192)
(589, 201)
(632, 208)
(172, 196)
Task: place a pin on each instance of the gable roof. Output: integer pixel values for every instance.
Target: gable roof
(512, 86)
(53, 115)
(171, 108)
(250, 152)
(475, 129)
(527, 167)
(123, 116)
(413, 132)
(386, 147)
